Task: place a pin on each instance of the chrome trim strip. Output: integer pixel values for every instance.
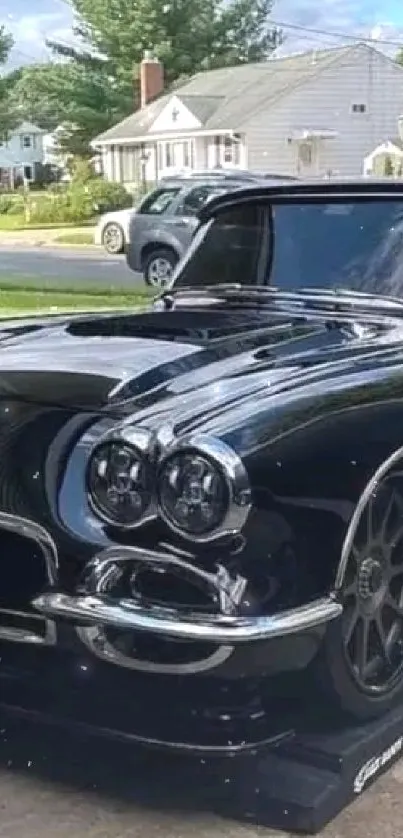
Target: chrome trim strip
(231, 466)
(14, 634)
(169, 622)
(95, 640)
(33, 532)
(107, 567)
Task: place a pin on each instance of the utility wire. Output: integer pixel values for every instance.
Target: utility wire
(308, 30)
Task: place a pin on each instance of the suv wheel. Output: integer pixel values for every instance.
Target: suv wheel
(361, 661)
(158, 267)
(113, 238)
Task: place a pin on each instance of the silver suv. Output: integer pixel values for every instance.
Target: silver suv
(161, 229)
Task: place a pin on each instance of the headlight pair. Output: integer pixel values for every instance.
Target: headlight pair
(199, 487)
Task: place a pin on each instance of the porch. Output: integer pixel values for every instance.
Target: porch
(143, 161)
(310, 146)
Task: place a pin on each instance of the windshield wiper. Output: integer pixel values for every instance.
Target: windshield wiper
(335, 299)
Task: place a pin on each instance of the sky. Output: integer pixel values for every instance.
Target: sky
(360, 18)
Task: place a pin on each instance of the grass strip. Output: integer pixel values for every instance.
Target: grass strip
(38, 285)
(22, 302)
(74, 239)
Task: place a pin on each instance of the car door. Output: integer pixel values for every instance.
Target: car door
(152, 213)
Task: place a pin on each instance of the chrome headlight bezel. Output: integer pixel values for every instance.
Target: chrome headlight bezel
(232, 470)
(142, 442)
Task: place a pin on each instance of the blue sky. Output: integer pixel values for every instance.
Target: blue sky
(365, 18)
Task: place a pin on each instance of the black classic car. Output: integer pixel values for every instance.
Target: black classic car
(201, 503)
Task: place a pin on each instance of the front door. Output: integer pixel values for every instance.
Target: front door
(307, 158)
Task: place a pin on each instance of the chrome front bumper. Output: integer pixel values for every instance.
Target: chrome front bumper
(217, 628)
(93, 605)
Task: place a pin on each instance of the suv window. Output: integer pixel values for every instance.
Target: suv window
(357, 244)
(195, 199)
(159, 201)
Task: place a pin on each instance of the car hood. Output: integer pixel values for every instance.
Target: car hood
(164, 361)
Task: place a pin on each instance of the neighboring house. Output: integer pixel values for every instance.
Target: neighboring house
(22, 152)
(387, 157)
(52, 155)
(316, 113)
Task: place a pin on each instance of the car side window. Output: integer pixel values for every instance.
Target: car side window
(195, 199)
(159, 201)
(234, 249)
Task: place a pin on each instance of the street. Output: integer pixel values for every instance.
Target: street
(54, 785)
(68, 266)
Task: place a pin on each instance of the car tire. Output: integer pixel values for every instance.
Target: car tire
(113, 238)
(158, 267)
(360, 664)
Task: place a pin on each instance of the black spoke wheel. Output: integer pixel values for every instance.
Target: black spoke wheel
(373, 591)
(360, 664)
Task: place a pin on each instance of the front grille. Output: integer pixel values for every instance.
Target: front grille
(23, 575)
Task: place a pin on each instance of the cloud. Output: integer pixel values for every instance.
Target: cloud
(346, 19)
(30, 32)
(338, 22)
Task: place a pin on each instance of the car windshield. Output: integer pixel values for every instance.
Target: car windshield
(354, 244)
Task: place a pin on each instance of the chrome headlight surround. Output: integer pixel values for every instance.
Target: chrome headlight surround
(229, 468)
(129, 484)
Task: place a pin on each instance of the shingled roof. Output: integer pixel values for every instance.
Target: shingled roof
(227, 97)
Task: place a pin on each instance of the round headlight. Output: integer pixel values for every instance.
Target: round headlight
(203, 490)
(119, 484)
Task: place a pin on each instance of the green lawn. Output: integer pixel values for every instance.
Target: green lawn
(24, 300)
(12, 223)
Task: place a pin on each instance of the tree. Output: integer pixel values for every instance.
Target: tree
(188, 36)
(388, 168)
(95, 85)
(69, 94)
(7, 115)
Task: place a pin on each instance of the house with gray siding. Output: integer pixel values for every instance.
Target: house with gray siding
(313, 114)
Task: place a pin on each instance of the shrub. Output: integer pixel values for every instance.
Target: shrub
(60, 212)
(388, 169)
(11, 204)
(106, 195)
(75, 203)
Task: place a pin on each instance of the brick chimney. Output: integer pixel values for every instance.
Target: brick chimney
(151, 79)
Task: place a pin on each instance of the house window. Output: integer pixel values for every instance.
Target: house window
(228, 144)
(358, 108)
(27, 172)
(26, 141)
(186, 155)
(169, 157)
(217, 151)
(226, 151)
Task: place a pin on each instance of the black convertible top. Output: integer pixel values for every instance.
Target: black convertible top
(338, 188)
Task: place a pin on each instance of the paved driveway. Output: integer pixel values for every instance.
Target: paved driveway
(56, 786)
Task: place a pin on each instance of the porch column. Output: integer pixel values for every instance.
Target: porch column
(107, 162)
